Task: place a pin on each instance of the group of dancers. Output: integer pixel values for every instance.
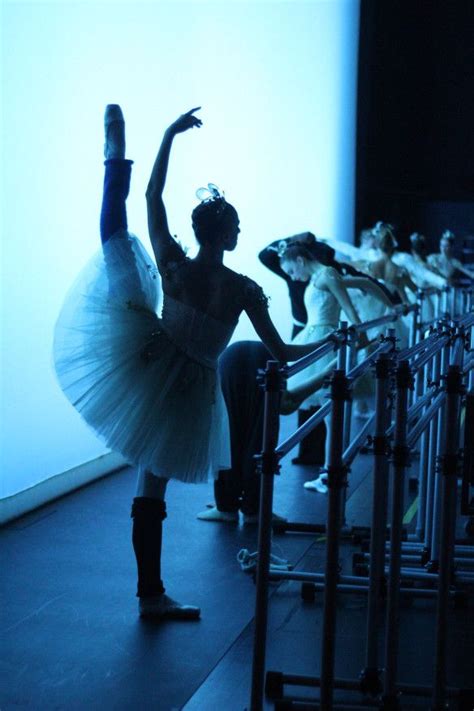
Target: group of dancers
(150, 386)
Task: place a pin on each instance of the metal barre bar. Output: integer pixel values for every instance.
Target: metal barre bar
(419, 405)
(353, 449)
(424, 421)
(420, 346)
(430, 352)
(331, 345)
(388, 318)
(467, 320)
(457, 352)
(288, 444)
(401, 310)
(362, 367)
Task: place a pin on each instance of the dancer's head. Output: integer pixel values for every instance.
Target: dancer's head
(215, 221)
(368, 239)
(298, 260)
(385, 237)
(446, 243)
(418, 245)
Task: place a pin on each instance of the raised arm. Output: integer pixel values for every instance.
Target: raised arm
(160, 236)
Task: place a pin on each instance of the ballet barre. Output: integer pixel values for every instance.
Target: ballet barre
(437, 368)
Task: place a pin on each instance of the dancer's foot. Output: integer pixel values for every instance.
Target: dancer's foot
(213, 514)
(319, 485)
(114, 126)
(162, 607)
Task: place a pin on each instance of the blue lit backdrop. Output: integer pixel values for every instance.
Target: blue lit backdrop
(276, 82)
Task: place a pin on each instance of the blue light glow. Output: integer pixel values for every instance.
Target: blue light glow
(276, 82)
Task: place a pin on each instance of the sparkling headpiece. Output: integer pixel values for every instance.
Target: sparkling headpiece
(212, 194)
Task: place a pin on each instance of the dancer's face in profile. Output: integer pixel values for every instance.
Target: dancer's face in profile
(446, 247)
(297, 269)
(232, 234)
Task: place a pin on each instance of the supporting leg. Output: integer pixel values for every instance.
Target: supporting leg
(148, 514)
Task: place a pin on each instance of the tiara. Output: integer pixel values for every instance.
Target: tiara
(284, 244)
(209, 194)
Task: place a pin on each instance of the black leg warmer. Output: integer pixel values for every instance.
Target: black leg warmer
(148, 515)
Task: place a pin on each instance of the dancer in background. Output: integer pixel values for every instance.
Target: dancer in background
(149, 386)
(445, 263)
(238, 488)
(421, 273)
(368, 250)
(325, 296)
(311, 449)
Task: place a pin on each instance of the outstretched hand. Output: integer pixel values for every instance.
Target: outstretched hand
(186, 121)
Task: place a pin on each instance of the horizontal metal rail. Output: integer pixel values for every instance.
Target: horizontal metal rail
(434, 348)
(425, 420)
(367, 363)
(333, 342)
(288, 444)
(358, 441)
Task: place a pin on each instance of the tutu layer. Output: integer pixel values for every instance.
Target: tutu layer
(165, 413)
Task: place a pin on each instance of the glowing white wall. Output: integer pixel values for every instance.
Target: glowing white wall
(276, 81)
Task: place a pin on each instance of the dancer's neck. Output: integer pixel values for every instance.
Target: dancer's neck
(209, 254)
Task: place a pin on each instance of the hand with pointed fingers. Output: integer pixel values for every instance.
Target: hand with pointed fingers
(186, 121)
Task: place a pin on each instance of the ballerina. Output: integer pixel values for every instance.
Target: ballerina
(325, 297)
(445, 263)
(149, 386)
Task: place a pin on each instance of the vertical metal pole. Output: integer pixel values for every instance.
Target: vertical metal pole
(433, 438)
(351, 362)
(449, 486)
(423, 470)
(336, 482)
(413, 340)
(436, 521)
(400, 463)
(370, 679)
(471, 372)
(270, 467)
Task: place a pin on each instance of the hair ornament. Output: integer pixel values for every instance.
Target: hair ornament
(447, 234)
(285, 244)
(209, 194)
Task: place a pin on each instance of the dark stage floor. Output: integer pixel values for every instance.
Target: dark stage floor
(72, 639)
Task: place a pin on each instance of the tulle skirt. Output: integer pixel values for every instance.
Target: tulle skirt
(165, 413)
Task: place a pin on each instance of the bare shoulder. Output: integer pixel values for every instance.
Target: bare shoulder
(326, 276)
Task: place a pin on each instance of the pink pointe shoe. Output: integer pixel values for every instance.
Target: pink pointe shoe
(114, 127)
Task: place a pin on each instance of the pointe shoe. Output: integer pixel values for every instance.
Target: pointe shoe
(318, 485)
(114, 127)
(213, 514)
(163, 607)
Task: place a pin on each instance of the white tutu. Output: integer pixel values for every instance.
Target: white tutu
(166, 413)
